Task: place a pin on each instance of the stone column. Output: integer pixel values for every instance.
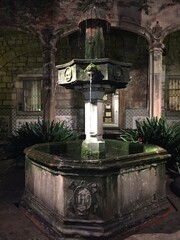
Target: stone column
(155, 80)
(94, 123)
(155, 71)
(48, 54)
(93, 146)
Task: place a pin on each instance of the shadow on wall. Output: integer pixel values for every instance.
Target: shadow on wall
(4, 126)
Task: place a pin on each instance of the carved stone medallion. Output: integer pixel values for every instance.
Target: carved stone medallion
(83, 200)
(68, 74)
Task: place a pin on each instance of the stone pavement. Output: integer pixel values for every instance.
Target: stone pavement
(15, 224)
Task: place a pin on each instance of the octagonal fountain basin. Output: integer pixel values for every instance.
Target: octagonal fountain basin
(99, 198)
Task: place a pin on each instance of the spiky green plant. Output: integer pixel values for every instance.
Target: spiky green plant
(129, 135)
(157, 131)
(39, 132)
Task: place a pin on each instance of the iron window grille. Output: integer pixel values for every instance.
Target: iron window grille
(173, 93)
(30, 95)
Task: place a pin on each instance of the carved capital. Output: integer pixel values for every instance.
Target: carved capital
(157, 31)
(156, 46)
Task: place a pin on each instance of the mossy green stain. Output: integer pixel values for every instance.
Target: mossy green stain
(92, 43)
(89, 154)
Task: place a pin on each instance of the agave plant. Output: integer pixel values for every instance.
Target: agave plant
(157, 131)
(129, 135)
(39, 132)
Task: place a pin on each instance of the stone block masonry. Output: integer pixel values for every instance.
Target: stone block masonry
(20, 52)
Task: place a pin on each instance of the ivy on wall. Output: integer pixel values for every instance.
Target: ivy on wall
(24, 11)
(84, 4)
(36, 5)
(142, 5)
(145, 5)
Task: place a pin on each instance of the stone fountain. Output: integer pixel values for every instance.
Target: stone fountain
(94, 76)
(94, 189)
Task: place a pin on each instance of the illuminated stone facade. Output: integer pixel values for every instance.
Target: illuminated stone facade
(41, 36)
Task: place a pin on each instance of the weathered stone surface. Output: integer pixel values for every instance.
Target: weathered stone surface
(94, 198)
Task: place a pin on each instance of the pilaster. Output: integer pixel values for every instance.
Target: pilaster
(155, 81)
(155, 72)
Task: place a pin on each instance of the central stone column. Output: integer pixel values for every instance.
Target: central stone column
(94, 145)
(93, 117)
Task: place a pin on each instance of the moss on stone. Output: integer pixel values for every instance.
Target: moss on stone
(87, 153)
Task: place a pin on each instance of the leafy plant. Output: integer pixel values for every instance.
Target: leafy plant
(129, 135)
(157, 131)
(39, 132)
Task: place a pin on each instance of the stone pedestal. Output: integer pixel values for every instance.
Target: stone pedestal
(93, 147)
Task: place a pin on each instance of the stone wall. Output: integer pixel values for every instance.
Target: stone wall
(19, 53)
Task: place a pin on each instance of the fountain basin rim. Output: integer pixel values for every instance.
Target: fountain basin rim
(56, 162)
